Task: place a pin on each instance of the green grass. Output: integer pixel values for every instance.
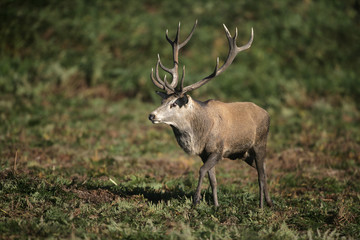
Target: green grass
(92, 167)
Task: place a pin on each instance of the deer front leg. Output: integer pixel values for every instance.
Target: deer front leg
(213, 183)
(211, 161)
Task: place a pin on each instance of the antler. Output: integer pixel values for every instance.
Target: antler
(176, 46)
(233, 51)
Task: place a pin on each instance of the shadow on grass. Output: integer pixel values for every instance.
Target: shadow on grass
(90, 191)
(150, 194)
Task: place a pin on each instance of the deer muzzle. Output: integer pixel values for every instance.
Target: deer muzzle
(153, 119)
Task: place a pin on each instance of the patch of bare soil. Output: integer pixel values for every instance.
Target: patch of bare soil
(95, 196)
(301, 161)
(163, 167)
(291, 159)
(23, 158)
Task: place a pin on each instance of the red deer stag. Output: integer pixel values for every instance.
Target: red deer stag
(212, 129)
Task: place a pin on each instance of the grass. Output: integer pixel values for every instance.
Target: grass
(97, 168)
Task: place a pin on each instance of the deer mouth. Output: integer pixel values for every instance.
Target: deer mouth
(155, 121)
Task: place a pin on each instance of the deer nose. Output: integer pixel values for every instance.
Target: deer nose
(151, 117)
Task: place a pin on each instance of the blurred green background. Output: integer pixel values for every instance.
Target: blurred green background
(300, 47)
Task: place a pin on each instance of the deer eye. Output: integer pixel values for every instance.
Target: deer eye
(174, 104)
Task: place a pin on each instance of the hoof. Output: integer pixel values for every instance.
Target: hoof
(196, 201)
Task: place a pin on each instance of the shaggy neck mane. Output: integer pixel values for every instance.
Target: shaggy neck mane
(191, 135)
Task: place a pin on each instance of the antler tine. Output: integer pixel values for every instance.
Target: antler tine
(155, 81)
(172, 71)
(162, 84)
(176, 46)
(233, 51)
(182, 80)
(157, 74)
(248, 45)
(176, 40)
(163, 67)
(168, 86)
(189, 36)
(167, 36)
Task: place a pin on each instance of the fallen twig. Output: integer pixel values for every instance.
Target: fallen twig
(15, 160)
(5, 212)
(113, 181)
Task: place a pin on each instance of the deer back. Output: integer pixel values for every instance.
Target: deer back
(236, 126)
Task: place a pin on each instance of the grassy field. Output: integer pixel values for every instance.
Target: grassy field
(92, 167)
(80, 160)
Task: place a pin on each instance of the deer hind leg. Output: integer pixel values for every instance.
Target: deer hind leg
(260, 152)
(209, 163)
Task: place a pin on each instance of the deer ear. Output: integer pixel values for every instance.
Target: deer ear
(162, 94)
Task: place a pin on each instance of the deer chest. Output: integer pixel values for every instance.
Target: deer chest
(186, 141)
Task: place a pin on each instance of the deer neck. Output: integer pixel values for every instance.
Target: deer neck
(192, 132)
